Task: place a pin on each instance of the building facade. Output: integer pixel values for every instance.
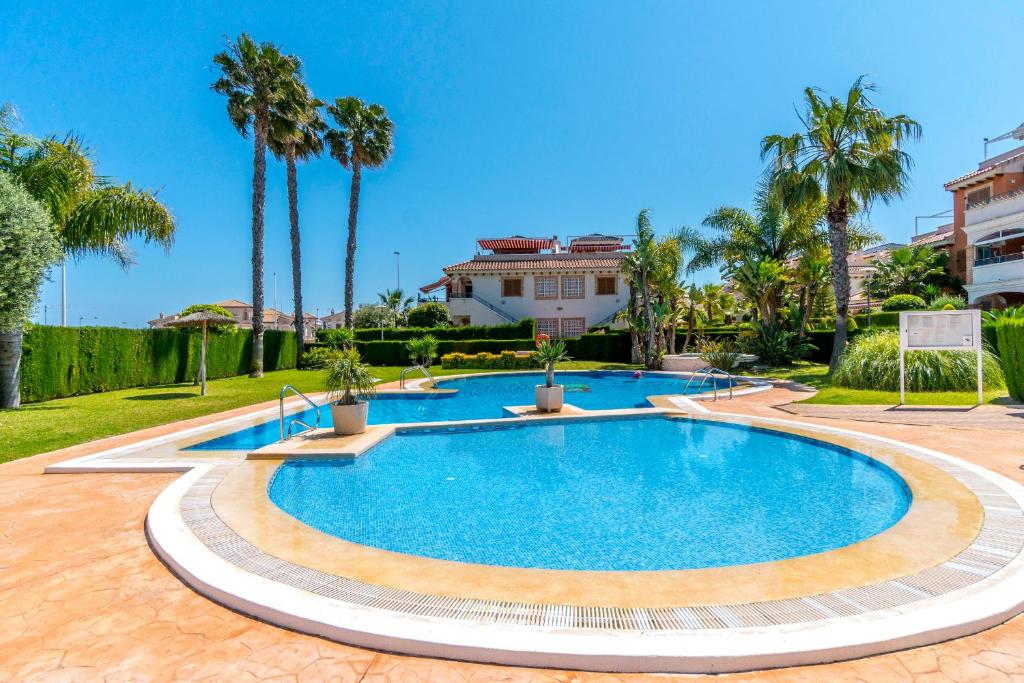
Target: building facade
(566, 290)
(988, 229)
(273, 319)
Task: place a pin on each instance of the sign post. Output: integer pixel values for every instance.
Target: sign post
(940, 331)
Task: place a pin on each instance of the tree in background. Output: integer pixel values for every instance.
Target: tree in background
(397, 304)
(296, 133)
(28, 248)
(362, 139)
(429, 314)
(812, 276)
(916, 270)
(259, 83)
(849, 155)
(718, 303)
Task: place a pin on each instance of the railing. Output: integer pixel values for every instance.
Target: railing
(709, 373)
(426, 373)
(287, 434)
(1003, 196)
(998, 259)
(610, 318)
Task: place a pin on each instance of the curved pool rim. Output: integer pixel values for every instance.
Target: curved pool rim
(938, 501)
(533, 634)
(495, 555)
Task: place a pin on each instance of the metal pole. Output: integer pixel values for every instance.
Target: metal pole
(202, 364)
(978, 351)
(398, 272)
(904, 337)
(903, 377)
(64, 293)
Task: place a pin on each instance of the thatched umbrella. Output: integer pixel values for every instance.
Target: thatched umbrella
(202, 319)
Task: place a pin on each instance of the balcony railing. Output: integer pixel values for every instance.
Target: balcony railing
(1018, 256)
(994, 199)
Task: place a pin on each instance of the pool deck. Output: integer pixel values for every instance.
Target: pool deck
(82, 596)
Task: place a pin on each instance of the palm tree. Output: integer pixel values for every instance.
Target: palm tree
(907, 270)
(812, 274)
(694, 303)
(849, 156)
(259, 83)
(91, 214)
(297, 133)
(717, 301)
(363, 139)
(397, 304)
(762, 283)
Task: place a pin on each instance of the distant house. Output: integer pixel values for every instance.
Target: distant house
(566, 290)
(333, 321)
(273, 319)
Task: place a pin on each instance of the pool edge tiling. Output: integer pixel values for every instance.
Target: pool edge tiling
(978, 584)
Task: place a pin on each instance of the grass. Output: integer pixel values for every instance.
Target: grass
(816, 375)
(41, 427)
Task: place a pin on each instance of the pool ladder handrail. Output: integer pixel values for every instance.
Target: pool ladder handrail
(709, 373)
(426, 373)
(287, 434)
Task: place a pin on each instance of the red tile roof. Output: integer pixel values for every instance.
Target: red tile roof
(564, 261)
(984, 169)
(528, 244)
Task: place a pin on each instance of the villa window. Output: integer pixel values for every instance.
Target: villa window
(979, 197)
(545, 287)
(573, 327)
(511, 286)
(607, 284)
(548, 326)
(572, 286)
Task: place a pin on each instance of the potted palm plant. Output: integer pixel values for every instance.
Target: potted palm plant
(349, 380)
(549, 396)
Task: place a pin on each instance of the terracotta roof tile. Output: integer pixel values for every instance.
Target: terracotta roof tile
(983, 170)
(611, 260)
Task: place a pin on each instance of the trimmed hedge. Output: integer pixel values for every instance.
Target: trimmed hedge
(1010, 335)
(904, 302)
(609, 347)
(879, 319)
(524, 329)
(68, 361)
(506, 360)
(393, 352)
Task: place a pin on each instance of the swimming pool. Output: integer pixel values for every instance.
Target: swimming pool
(638, 493)
(482, 397)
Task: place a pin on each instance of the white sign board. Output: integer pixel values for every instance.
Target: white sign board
(940, 331)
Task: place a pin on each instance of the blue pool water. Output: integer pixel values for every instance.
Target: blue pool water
(481, 397)
(611, 494)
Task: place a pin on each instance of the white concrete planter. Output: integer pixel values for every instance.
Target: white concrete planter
(683, 362)
(349, 419)
(549, 399)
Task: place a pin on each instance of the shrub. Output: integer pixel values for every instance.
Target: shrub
(422, 350)
(1010, 335)
(338, 338)
(774, 344)
(524, 329)
(349, 379)
(721, 354)
(395, 353)
(904, 302)
(998, 314)
(608, 347)
(319, 357)
(430, 314)
(506, 360)
(947, 302)
(878, 319)
(872, 362)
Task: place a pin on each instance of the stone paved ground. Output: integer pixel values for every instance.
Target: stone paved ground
(1000, 417)
(82, 598)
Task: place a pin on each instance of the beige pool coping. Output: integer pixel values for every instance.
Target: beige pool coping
(943, 519)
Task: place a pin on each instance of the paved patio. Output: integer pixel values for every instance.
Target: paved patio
(1000, 417)
(83, 598)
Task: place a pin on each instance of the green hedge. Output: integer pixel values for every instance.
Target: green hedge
(609, 347)
(394, 352)
(880, 319)
(1010, 335)
(69, 361)
(506, 360)
(524, 329)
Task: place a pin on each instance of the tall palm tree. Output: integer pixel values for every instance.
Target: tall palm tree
(717, 301)
(849, 155)
(363, 139)
(258, 81)
(297, 133)
(396, 302)
(812, 275)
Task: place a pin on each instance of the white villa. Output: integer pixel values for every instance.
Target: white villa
(565, 289)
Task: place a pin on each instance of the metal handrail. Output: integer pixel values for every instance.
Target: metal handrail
(426, 373)
(709, 373)
(285, 435)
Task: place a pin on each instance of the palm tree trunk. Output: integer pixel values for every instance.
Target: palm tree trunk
(259, 192)
(350, 248)
(10, 368)
(672, 339)
(689, 328)
(293, 218)
(649, 352)
(839, 241)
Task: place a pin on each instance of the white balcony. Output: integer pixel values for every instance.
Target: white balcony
(1007, 205)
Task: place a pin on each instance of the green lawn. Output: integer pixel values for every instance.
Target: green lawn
(816, 375)
(41, 427)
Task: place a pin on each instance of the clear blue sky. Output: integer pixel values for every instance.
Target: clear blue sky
(531, 118)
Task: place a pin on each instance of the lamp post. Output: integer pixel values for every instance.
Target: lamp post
(398, 271)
